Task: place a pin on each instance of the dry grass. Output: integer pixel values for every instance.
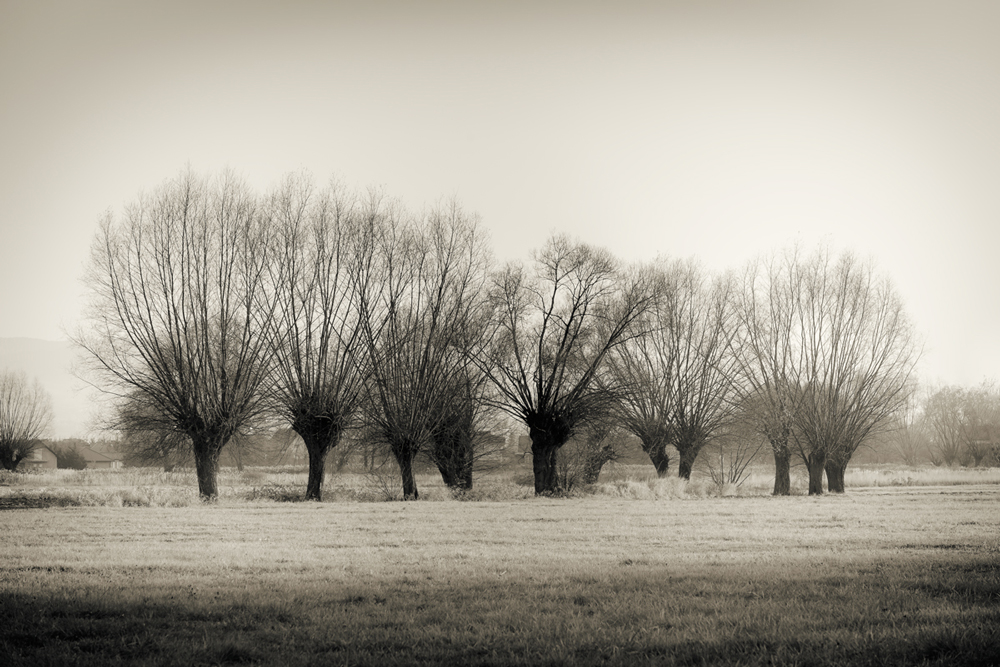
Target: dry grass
(902, 575)
(149, 487)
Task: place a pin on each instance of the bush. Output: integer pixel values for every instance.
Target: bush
(70, 457)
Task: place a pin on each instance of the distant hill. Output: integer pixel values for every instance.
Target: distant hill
(73, 403)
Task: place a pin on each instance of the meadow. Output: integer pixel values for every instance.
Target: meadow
(637, 571)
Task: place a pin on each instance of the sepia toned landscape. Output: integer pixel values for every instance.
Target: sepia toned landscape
(887, 575)
(435, 332)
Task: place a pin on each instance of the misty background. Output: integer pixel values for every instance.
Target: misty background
(721, 130)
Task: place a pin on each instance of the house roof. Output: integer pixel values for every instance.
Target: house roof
(93, 456)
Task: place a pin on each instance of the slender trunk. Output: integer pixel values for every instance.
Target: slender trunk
(782, 468)
(318, 449)
(657, 451)
(464, 481)
(404, 457)
(835, 475)
(206, 463)
(595, 462)
(816, 464)
(688, 453)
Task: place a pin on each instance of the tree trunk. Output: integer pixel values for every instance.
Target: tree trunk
(454, 461)
(657, 451)
(317, 467)
(816, 464)
(835, 475)
(206, 463)
(319, 433)
(548, 433)
(405, 460)
(595, 462)
(687, 456)
(543, 461)
(782, 468)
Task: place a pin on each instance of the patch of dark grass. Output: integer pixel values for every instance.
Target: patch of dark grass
(27, 502)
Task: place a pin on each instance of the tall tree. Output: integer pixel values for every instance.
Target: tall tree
(696, 328)
(25, 416)
(179, 303)
(858, 356)
(555, 326)
(421, 286)
(677, 378)
(315, 341)
(769, 353)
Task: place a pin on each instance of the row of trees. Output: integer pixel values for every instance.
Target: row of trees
(950, 425)
(215, 310)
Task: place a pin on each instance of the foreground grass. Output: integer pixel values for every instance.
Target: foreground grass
(899, 576)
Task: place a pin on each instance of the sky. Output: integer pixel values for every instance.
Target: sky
(720, 130)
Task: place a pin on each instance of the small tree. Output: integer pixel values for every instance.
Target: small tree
(599, 441)
(907, 434)
(728, 456)
(25, 415)
(555, 326)
(981, 425)
(69, 457)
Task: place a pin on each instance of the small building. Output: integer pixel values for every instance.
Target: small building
(41, 458)
(98, 460)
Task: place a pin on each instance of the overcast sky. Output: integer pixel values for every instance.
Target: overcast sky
(715, 129)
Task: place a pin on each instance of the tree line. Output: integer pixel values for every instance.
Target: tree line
(215, 310)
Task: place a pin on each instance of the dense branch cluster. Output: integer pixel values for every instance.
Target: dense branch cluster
(216, 311)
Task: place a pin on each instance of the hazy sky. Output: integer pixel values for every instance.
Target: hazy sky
(715, 129)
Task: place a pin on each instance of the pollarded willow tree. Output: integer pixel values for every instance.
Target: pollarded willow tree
(178, 306)
(315, 341)
(421, 290)
(555, 326)
(858, 355)
(25, 416)
(769, 353)
(677, 380)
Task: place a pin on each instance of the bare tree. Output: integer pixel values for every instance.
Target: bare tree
(178, 307)
(599, 441)
(769, 353)
(25, 416)
(908, 435)
(462, 438)
(678, 379)
(555, 327)
(981, 425)
(315, 339)
(729, 455)
(147, 437)
(421, 285)
(858, 354)
(943, 414)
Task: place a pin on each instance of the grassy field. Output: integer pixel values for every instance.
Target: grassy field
(891, 574)
(150, 487)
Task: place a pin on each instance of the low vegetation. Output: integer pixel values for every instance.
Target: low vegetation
(151, 487)
(879, 576)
